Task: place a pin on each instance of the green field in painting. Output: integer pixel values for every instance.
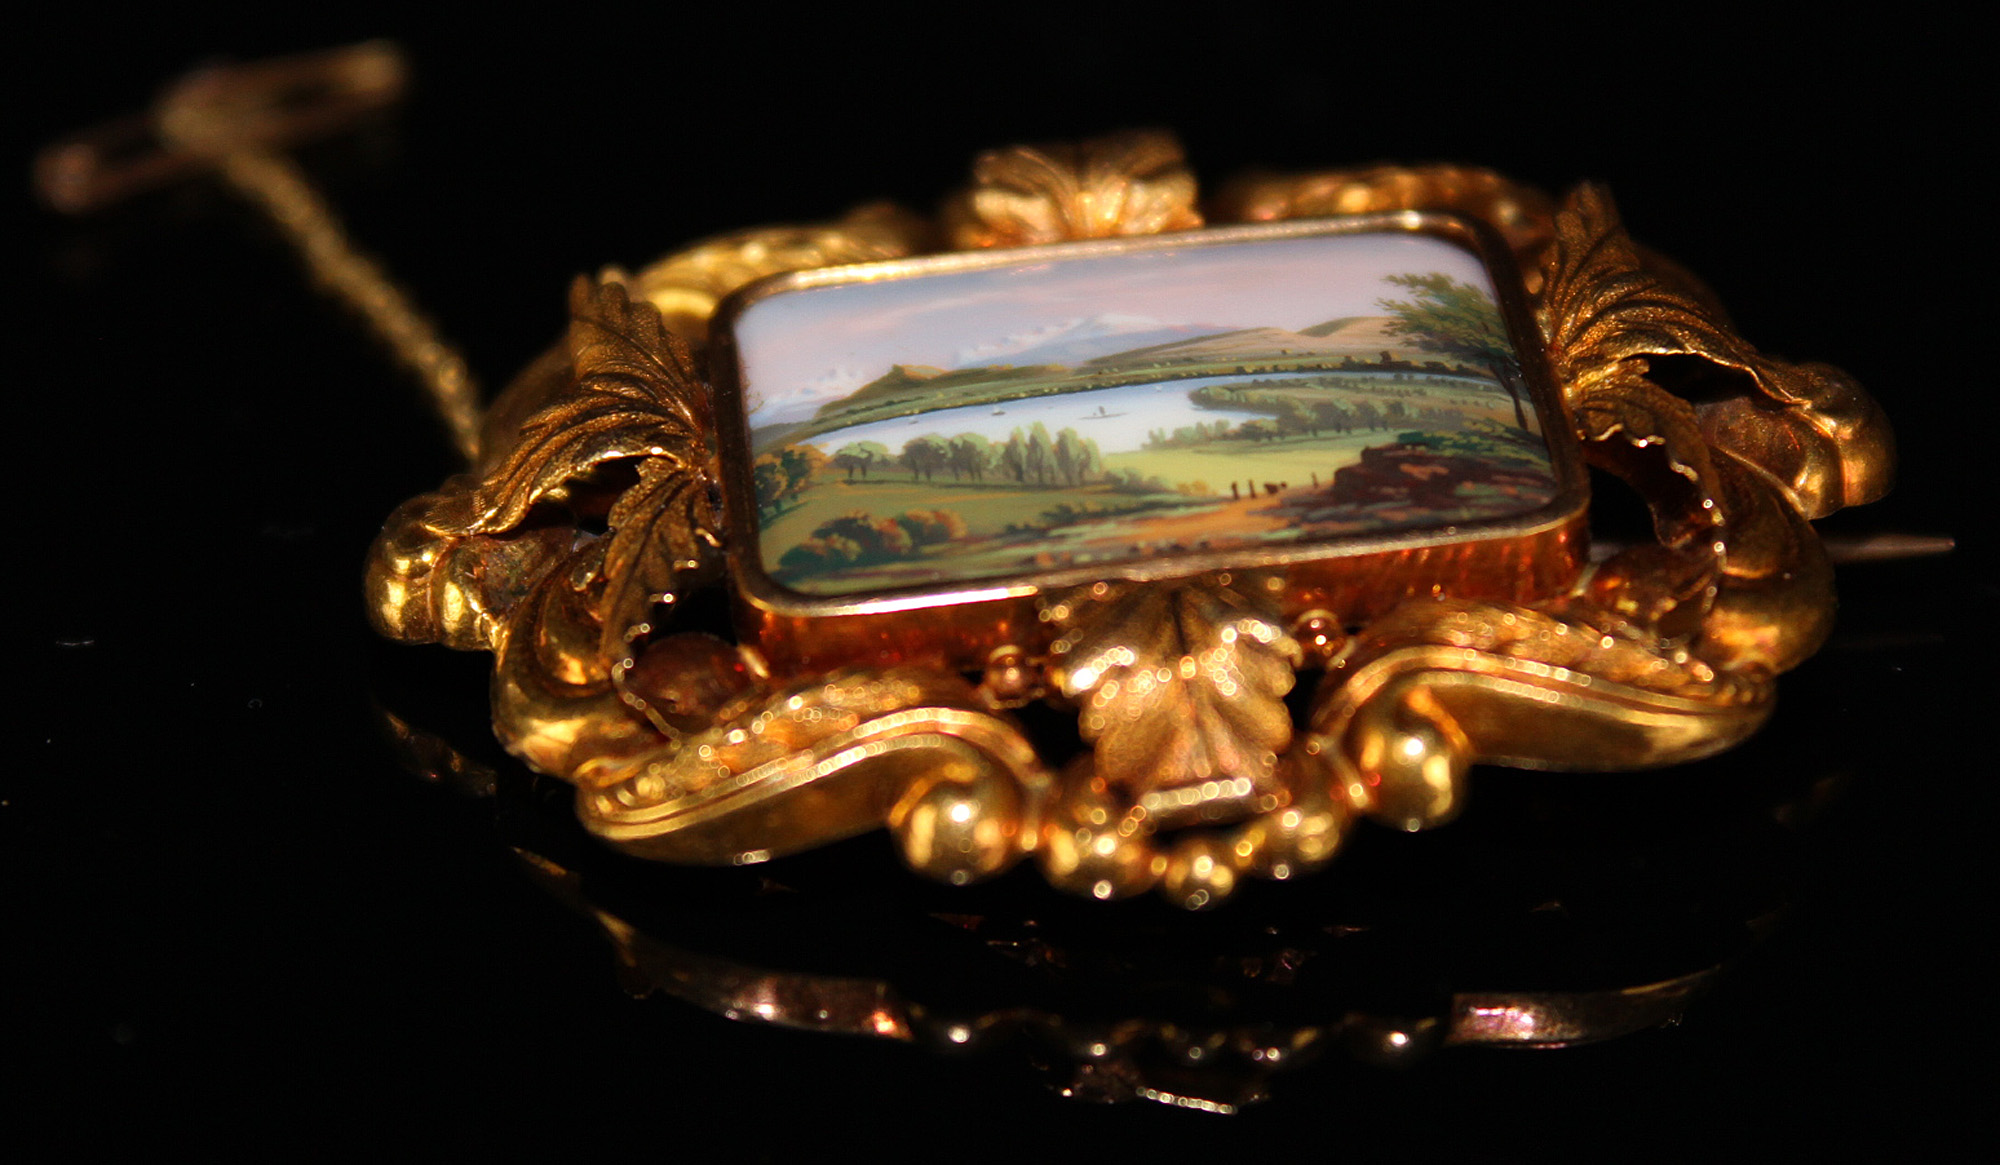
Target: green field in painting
(991, 507)
(1210, 485)
(987, 509)
(1159, 499)
(1290, 460)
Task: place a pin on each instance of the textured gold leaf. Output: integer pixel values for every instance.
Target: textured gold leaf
(636, 394)
(1178, 685)
(1604, 315)
(1623, 408)
(1625, 404)
(662, 528)
(1652, 439)
(1128, 184)
(1608, 307)
(1601, 307)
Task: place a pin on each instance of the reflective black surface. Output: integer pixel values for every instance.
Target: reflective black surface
(234, 918)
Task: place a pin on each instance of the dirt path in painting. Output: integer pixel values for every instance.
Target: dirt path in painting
(1231, 523)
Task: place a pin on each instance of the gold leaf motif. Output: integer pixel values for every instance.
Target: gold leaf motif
(1601, 307)
(1608, 309)
(1128, 184)
(1612, 316)
(1603, 315)
(662, 529)
(635, 394)
(1180, 685)
(1623, 408)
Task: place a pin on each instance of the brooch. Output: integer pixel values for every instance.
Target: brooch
(1155, 541)
(1035, 521)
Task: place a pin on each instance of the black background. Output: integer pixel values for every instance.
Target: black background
(233, 920)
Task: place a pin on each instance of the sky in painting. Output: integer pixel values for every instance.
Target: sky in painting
(800, 349)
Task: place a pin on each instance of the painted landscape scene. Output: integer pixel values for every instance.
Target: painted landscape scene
(991, 424)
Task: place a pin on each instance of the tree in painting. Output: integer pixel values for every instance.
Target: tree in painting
(1453, 318)
(1041, 453)
(924, 456)
(782, 476)
(1077, 459)
(860, 457)
(970, 456)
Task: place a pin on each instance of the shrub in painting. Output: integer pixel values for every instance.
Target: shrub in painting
(860, 538)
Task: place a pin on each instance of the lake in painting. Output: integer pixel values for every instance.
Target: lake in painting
(1068, 411)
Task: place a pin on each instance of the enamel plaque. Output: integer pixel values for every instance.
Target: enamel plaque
(1244, 397)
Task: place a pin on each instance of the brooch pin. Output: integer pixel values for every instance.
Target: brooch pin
(1154, 542)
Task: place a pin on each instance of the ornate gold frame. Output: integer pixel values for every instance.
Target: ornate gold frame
(591, 515)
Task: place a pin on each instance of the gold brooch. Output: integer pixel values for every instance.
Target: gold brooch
(1074, 446)
(1029, 517)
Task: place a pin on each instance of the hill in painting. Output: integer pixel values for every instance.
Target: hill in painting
(905, 382)
(1362, 338)
(913, 388)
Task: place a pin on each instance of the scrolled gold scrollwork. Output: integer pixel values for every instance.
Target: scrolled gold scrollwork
(1436, 685)
(1759, 460)
(816, 761)
(554, 703)
(483, 564)
(428, 583)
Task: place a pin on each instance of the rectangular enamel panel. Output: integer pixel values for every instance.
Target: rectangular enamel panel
(1249, 397)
